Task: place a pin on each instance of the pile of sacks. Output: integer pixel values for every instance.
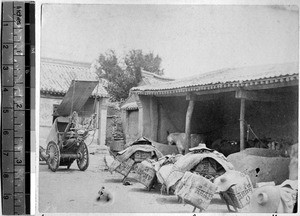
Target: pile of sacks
(192, 176)
(198, 175)
(195, 178)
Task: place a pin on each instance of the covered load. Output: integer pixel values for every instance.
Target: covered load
(145, 173)
(235, 188)
(139, 151)
(201, 160)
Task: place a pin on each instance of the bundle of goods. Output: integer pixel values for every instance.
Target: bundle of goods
(122, 167)
(137, 152)
(145, 173)
(235, 189)
(140, 150)
(165, 160)
(163, 167)
(200, 160)
(139, 156)
(195, 190)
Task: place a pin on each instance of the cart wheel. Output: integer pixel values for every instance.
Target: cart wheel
(54, 156)
(83, 161)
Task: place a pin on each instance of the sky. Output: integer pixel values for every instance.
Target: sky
(190, 39)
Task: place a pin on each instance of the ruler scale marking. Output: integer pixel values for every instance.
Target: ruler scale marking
(16, 69)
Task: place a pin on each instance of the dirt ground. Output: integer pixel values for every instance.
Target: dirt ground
(67, 191)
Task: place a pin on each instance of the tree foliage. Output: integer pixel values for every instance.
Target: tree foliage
(120, 79)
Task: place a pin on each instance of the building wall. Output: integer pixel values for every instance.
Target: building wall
(230, 116)
(133, 130)
(46, 110)
(277, 120)
(171, 111)
(206, 118)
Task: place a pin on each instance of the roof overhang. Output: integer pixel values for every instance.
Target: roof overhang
(228, 79)
(267, 83)
(130, 106)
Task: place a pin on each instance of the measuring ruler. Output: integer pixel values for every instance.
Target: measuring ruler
(17, 65)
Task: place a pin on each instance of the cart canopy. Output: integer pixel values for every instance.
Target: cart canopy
(76, 96)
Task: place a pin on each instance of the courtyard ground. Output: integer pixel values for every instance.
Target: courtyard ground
(74, 191)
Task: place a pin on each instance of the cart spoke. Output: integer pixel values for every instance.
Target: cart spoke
(54, 156)
(83, 161)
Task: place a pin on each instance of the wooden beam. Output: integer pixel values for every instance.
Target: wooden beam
(190, 96)
(258, 96)
(273, 85)
(207, 97)
(242, 125)
(188, 118)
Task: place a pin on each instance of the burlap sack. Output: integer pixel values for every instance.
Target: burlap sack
(123, 167)
(144, 173)
(240, 193)
(195, 190)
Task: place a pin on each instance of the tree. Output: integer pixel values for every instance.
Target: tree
(136, 60)
(121, 80)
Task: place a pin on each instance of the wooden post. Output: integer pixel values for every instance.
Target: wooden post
(242, 124)
(153, 118)
(188, 118)
(126, 125)
(141, 117)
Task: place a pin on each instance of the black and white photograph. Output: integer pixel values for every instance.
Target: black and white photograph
(168, 107)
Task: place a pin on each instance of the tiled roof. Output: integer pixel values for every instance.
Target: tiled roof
(149, 78)
(231, 77)
(130, 106)
(56, 76)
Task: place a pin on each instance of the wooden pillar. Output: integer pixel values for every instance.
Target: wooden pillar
(153, 118)
(141, 118)
(188, 118)
(242, 124)
(125, 121)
